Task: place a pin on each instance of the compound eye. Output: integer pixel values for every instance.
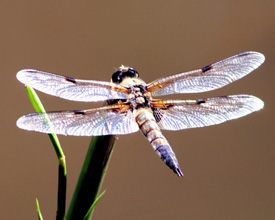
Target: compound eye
(133, 72)
(116, 77)
(124, 72)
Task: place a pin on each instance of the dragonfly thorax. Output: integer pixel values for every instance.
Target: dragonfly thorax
(139, 97)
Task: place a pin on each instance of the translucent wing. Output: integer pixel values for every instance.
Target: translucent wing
(109, 120)
(70, 88)
(208, 78)
(177, 115)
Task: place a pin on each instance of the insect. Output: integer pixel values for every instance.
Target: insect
(131, 106)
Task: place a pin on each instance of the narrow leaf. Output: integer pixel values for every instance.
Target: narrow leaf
(87, 216)
(91, 176)
(36, 103)
(38, 210)
(62, 173)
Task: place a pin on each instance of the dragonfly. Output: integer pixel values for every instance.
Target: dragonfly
(131, 106)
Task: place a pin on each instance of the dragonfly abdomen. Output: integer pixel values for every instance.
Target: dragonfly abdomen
(151, 131)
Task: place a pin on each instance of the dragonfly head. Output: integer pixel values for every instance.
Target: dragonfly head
(123, 72)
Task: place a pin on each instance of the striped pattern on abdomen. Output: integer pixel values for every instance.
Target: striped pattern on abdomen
(151, 131)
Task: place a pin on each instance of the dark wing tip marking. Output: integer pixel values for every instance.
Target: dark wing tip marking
(29, 70)
(70, 79)
(247, 53)
(206, 68)
(244, 53)
(31, 114)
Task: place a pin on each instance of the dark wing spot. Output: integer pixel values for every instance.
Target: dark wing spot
(200, 101)
(158, 114)
(69, 79)
(206, 68)
(79, 112)
(115, 101)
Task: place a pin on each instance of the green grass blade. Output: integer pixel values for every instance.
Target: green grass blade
(89, 213)
(62, 173)
(62, 189)
(38, 210)
(91, 176)
(36, 103)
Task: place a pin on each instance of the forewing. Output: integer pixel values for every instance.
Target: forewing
(208, 78)
(177, 115)
(109, 120)
(70, 88)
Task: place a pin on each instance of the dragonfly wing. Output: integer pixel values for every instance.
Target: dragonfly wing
(70, 88)
(177, 115)
(208, 78)
(108, 120)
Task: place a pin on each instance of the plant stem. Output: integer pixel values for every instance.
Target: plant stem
(62, 173)
(91, 176)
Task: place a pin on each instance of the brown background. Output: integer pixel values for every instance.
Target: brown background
(229, 168)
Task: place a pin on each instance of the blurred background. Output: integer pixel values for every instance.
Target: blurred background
(229, 168)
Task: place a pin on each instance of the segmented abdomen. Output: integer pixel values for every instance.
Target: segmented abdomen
(151, 131)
